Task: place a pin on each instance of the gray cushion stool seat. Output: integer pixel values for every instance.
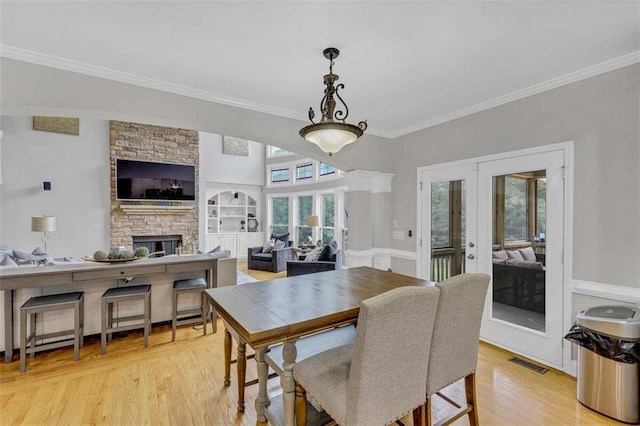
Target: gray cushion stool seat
(192, 285)
(41, 304)
(121, 294)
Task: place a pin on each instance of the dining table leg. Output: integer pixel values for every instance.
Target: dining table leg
(262, 401)
(289, 354)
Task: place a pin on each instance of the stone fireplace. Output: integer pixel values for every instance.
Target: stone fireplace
(154, 220)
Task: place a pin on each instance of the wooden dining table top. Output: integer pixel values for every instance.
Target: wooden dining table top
(268, 312)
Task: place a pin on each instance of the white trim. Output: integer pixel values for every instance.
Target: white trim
(357, 258)
(57, 62)
(615, 292)
(360, 180)
(382, 257)
(381, 183)
(554, 83)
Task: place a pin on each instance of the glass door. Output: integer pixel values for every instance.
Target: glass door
(520, 235)
(449, 247)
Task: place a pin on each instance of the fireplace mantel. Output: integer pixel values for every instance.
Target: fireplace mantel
(140, 209)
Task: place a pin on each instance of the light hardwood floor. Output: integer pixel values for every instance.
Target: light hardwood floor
(180, 383)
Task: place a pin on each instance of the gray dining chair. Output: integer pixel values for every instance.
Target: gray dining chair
(454, 345)
(381, 376)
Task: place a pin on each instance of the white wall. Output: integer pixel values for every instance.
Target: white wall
(78, 169)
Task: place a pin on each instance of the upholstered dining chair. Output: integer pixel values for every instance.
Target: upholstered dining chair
(454, 345)
(381, 376)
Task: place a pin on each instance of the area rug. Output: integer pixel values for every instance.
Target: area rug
(244, 278)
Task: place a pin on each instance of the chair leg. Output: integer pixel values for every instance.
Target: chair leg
(242, 373)
(227, 357)
(419, 415)
(147, 318)
(301, 405)
(470, 390)
(82, 323)
(32, 333)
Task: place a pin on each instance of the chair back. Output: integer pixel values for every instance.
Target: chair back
(387, 374)
(456, 333)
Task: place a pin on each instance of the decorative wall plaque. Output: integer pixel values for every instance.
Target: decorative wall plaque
(235, 146)
(65, 125)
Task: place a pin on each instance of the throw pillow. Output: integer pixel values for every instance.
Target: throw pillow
(281, 237)
(313, 255)
(8, 262)
(220, 254)
(528, 254)
(514, 254)
(5, 250)
(268, 246)
(499, 255)
(38, 251)
(278, 245)
(22, 257)
(215, 250)
(328, 252)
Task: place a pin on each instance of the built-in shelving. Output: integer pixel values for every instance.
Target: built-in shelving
(230, 212)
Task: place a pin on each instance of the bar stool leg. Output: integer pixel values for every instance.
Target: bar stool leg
(174, 315)
(147, 318)
(76, 331)
(23, 341)
(82, 323)
(204, 312)
(103, 327)
(31, 337)
(110, 319)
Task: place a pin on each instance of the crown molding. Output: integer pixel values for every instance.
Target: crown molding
(23, 55)
(592, 71)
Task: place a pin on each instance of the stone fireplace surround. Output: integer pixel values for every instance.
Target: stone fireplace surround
(144, 142)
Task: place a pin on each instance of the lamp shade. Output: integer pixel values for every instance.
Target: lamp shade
(43, 223)
(313, 220)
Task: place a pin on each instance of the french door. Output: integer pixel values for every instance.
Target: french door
(503, 217)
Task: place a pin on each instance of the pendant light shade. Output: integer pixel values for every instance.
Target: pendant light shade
(332, 133)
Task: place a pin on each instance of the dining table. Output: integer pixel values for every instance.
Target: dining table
(283, 310)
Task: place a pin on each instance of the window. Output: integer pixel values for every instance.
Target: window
(326, 169)
(304, 171)
(280, 215)
(440, 214)
(305, 209)
(279, 175)
(515, 209)
(274, 151)
(328, 219)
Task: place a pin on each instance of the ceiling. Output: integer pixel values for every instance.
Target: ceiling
(405, 65)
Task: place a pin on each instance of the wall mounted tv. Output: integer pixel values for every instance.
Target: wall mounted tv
(144, 180)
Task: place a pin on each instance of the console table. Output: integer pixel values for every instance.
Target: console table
(88, 272)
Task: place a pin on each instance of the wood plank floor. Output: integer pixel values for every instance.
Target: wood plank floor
(181, 383)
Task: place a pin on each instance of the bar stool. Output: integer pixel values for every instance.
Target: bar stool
(192, 285)
(120, 294)
(40, 304)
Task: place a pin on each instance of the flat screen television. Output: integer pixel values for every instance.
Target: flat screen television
(145, 180)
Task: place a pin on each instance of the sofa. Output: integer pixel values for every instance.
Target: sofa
(519, 279)
(329, 258)
(269, 257)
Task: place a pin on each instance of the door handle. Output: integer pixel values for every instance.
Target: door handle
(471, 244)
(471, 257)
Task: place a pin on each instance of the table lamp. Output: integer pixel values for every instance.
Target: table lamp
(312, 221)
(43, 224)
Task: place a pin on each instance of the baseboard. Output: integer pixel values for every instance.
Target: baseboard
(618, 293)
